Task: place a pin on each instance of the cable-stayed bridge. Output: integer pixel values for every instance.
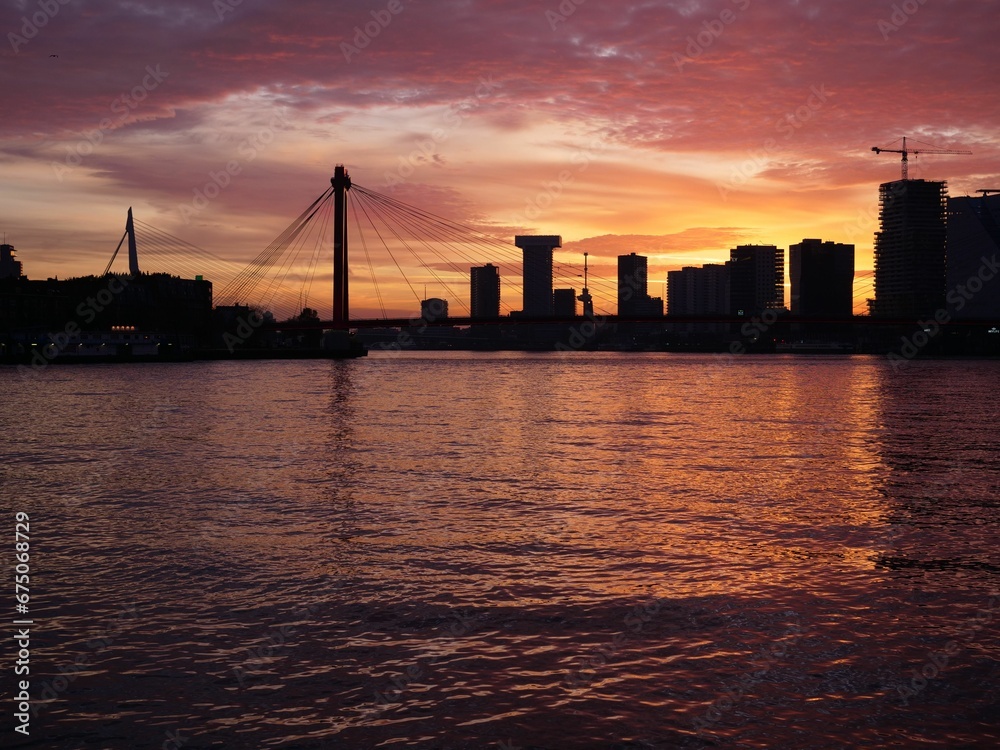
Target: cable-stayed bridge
(380, 244)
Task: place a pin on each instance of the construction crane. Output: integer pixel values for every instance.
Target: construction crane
(905, 152)
(987, 191)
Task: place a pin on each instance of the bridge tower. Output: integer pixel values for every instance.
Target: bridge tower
(341, 182)
(133, 254)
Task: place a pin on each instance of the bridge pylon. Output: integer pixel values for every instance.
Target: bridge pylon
(341, 182)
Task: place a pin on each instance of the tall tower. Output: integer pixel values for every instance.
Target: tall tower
(910, 249)
(585, 296)
(537, 272)
(485, 292)
(341, 182)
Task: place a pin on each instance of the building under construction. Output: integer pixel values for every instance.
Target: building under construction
(910, 249)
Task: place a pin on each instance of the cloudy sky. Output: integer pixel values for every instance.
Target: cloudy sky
(674, 128)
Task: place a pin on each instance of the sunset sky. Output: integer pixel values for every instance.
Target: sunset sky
(673, 129)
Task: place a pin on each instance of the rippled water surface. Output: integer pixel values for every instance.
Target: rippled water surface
(510, 551)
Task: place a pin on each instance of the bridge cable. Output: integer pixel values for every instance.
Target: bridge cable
(371, 266)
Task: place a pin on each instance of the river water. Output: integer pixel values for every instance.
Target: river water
(510, 550)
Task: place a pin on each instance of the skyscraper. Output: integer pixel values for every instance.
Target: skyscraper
(973, 241)
(756, 279)
(822, 277)
(632, 281)
(633, 298)
(537, 272)
(485, 292)
(910, 249)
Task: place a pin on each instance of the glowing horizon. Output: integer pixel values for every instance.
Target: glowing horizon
(676, 130)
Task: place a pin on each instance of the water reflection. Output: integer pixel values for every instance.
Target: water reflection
(465, 533)
(938, 446)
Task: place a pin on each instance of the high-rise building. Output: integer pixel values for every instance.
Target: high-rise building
(564, 303)
(910, 249)
(632, 282)
(10, 267)
(485, 292)
(537, 272)
(756, 279)
(973, 244)
(698, 290)
(822, 277)
(633, 297)
(680, 291)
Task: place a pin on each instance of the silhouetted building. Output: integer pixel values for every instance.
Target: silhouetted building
(537, 272)
(564, 303)
(822, 277)
(485, 292)
(632, 282)
(973, 245)
(633, 298)
(910, 249)
(10, 267)
(147, 303)
(434, 309)
(756, 279)
(698, 290)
